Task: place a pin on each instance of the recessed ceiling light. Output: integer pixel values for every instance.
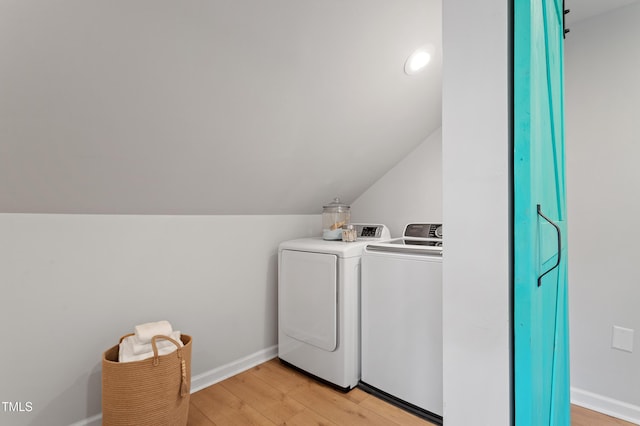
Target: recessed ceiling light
(417, 61)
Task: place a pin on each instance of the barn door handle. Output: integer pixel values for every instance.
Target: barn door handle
(559, 244)
(565, 30)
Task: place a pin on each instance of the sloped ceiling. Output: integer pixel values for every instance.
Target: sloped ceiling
(209, 106)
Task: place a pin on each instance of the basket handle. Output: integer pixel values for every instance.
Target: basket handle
(184, 387)
(125, 336)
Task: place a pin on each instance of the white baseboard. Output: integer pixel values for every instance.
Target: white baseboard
(216, 375)
(209, 378)
(606, 405)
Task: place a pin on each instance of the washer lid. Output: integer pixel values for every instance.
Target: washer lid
(404, 249)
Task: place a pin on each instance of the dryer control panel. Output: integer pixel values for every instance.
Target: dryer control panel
(370, 231)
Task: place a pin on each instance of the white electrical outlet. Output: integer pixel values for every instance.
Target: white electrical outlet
(622, 338)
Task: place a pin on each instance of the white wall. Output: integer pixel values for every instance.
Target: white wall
(476, 213)
(409, 192)
(602, 62)
(73, 284)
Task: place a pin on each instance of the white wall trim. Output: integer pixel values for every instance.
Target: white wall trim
(216, 375)
(211, 377)
(606, 405)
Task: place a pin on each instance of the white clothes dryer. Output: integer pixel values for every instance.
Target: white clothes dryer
(319, 305)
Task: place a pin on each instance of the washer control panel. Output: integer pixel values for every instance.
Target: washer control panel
(423, 230)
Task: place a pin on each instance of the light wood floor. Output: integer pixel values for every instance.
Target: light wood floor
(583, 417)
(273, 394)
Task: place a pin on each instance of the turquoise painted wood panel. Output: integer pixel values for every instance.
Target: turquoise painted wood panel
(541, 340)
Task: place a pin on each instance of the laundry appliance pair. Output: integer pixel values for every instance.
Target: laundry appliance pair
(367, 313)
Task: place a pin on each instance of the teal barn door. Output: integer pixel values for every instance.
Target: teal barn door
(541, 339)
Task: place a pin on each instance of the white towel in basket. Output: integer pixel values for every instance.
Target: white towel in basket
(144, 332)
(129, 345)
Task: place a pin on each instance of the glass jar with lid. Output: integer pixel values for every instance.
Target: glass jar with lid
(335, 215)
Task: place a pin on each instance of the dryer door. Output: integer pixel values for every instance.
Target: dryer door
(308, 297)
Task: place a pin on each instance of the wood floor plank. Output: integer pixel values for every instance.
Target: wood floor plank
(197, 418)
(581, 416)
(225, 409)
(356, 395)
(393, 413)
(336, 407)
(309, 418)
(275, 405)
(281, 377)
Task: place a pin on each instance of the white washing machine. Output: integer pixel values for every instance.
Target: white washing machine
(402, 320)
(319, 305)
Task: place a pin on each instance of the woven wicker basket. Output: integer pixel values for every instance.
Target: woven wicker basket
(151, 392)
